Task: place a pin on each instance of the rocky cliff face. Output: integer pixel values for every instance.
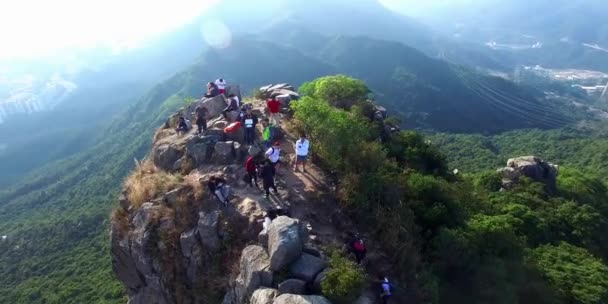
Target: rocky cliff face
(172, 242)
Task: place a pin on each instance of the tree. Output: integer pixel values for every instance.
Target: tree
(340, 91)
(576, 274)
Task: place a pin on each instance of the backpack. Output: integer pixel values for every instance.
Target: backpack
(359, 246)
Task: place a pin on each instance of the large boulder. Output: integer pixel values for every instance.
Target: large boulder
(292, 286)
(234, 89)
(307, 267)
(224, 152)
(254, 272)
(292, 95)
(214, 105)
(532, 167)
(298, 299)
(263, 296)
(285, 242)
(207, 229)
(165, 155)
(280, 86)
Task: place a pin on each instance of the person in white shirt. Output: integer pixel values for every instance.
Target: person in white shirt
(221, 85)
(302, 149)
(274, 155)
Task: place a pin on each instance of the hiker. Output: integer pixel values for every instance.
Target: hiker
(251, 168)
(267, 173)
(302, 147)
(221, 85)
(274, 107)
(266, 132)
(182, 125)
(385, 293)
(201, 118)
(217, 185)
(212, 90)
(274, 155)
(233, 105)
(249, 121)
(358, 248)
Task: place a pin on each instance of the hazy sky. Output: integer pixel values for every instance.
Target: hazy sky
(30, 28)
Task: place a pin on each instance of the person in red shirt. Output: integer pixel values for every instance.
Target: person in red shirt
(274, 107)
(251, 168)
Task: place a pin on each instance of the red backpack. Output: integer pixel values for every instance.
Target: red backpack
(359, 246)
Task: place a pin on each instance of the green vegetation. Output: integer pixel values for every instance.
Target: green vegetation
(344, 279)
(341, 91)
(462, 239)
(577, 276)
(578, 148)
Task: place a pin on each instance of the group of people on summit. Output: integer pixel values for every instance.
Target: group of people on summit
(266, 166)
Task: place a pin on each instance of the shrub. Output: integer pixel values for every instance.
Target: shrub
(344, 279)
(146, 182)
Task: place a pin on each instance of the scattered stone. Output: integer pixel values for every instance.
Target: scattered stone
(292, 286)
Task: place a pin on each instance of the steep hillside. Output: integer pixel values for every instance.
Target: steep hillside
(105, 84)
(55, 222)
(439, 237)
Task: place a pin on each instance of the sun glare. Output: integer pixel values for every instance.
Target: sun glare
(30, 28)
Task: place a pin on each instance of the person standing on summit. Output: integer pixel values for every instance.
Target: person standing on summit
(274, 107)
(267, 173)
(221, 85)
(302, 147)
(274, 155)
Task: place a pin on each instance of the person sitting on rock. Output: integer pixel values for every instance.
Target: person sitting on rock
(274, 107)
(221, 85)
(249, 121)
(182, 126)
(212, 90)
(274, 155)
(201, 118)
(233, 105)
(252, 168)
(217, 186)
(267, 173)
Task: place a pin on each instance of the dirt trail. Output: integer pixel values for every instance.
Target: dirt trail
(309, 197)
